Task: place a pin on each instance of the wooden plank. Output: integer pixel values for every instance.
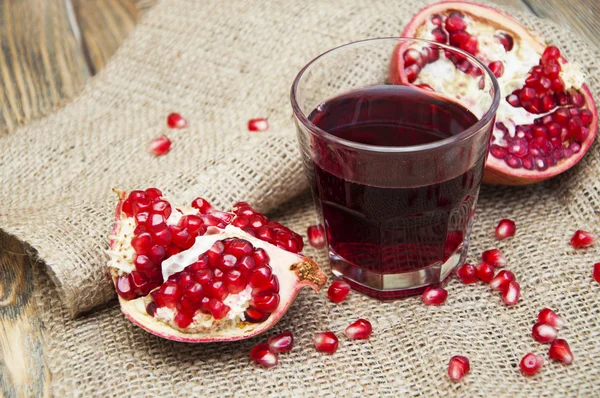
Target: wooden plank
(581, 15)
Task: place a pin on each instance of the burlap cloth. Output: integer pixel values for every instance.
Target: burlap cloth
(221, 63)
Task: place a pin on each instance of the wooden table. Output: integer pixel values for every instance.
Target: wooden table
(70, 41)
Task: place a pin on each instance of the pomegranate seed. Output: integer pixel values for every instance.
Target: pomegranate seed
(412, 72)
(125, 288)
(506, 40)
(544, 333)
(281, 343)
(259, 124)
(182, 320)
(582, 239)
(361, 329)
(142, 243)
(551, 318)
(458, 367)
(513, 100)
(551, 52)
(506, 228)
(560, 351)
(596, 272)
(497, 68)
(485, 272)
(316, 236)
(266, 303)
(501, 280)
(531, 363)
(153, 193)
(338, 291)
(218, 309)
(434, 295)
(168, 295)
(160, 146)
(455, 22)
(262, 355)
(511, 292)
(260, 276)
(439, 35)
(202, 205)
(467, 273)
(493, 257)
(326, 342)
(176, 121)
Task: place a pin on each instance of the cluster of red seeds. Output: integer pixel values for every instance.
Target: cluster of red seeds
(228, 267)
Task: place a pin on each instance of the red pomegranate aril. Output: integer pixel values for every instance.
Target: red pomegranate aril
(254, 315)
(497, 68)
(151, 308)
(282, 342)
(203, 276)
(258, 124)
(439, 35)
(235, 281)
(531, 363)
(160, 146)
(142, 243)
(511, 293)
(506, 228)
(550, 317)
(560, 351)
(176, 121)
(469, 45)
(596, 272)
(316, 236)
(227, 262)
(271, 287)
(246, 264)
(338, 290)
(239, 248)
(161, 207)
(326, 342)
(586, 117)
(458, 367)
(142, 205)
(527, 94)
(434, 295)
(217, 289)
(501, 280)
(513, 100)
(467, 273)
(548, 103)
(455, 22)
(493, 257)
(582, 239)
(202, 205)
(183, 278)
(436, 19)
(144, 264)
(506, 40)
(181, 237)
(153, 193)
(194, 292)
(125, 288)
(498, 151)
(544, 333)
(260, 276)
(182, 319)
(162, 237)
(485, 272)
(361, 329)
(576, 98)
(156, 222)
(168, 295)
(550, 53)
(217, 309)
(266, 303)
(156, 254)
(412, 56)
(262, 355)
(551, 70)
(412, 72)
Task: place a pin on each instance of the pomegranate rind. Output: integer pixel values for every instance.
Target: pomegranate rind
(304, 273)
(496, 170)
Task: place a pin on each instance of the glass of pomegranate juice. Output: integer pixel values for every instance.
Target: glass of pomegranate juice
(394, 147)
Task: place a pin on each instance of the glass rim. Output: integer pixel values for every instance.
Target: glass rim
(463, 135)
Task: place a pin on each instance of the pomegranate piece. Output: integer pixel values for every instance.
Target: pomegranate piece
(338, 291)
(511, 293)
(560, 351)
(596, 272)
(434, 295)
(467, 273)
(458, 367)
(176, 121)
(485, 272)
(326, 342)
(361, 329)
(550, 317)
(531, 363)
(501, 280)
(316, 236)
(582, 239)
(281, 343)
(262, 355)
(544, 333)
(160, 146)
(258, 124)
(506, 228)
(493, 257)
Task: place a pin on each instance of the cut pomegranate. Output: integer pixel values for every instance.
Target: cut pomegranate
(176, 121)
(160, 146)
(544, 333)
(467, 273)
(596, 272)
(506, 228)
(458, 367)
(434, 295)
(361, 329)
(316, 236)
(582, 239)
(501, 280)
(326, 342)
(338, 291)
(550, 317)
(281, 343)
(531, 363)
(511, 293)
(259, 124)
(547, 119)
(262, 355)
(560, 351)
(225, 283)
(485, 272)
(493, 257)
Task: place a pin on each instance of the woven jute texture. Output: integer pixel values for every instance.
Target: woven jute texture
(221, 63)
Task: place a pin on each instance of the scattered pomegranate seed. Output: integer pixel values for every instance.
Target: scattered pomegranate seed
(361, 329)
(501, 280)
(596, 272)
(582, 239)
(458, 367)
(259, 124)
(326, 342)
(176, 121)
(160, 146)
(544, 333)
(434, 295)
(493, 257)
(485, 272)
(316, 236)
(511, 293)
(262, 355)
(550, 317)
(560, 351)
(338, 291)
(531, 363)
(505, 229)
(467, 273)
(281, 343)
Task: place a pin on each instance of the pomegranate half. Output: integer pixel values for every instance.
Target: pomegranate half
(547, 118)
(196, 274)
